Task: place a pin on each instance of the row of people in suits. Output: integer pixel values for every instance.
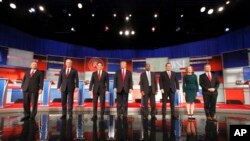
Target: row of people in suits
(123, 84)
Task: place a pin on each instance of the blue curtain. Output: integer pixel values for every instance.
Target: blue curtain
(14, 38)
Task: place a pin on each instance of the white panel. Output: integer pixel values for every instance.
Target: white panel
(179, 63)
(19, 58)
(231, 76)
(157, 64)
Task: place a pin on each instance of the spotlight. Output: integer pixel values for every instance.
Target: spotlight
(130, 15)
(155, 15)
(79, 5)
(72, 29)
(132, 32)
(93, 15)
(228, 2)
(1, 0)
(153, 29)
(32, 10)
(114, 15)
(226, 29)
(127, 18)
(220, 9)
(69, 14)
(41, 8)
(126, 33)
(182, 15)
(121, 32)
(12, 5)
(210, 11)
(106, 28)
(203, 9)
(178, 29)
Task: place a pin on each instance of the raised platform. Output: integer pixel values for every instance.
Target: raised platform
(133, 107)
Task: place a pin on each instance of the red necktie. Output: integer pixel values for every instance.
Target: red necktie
(32, 73)
(209, 76)
(123, 74)
(67, 73)
(99, 75)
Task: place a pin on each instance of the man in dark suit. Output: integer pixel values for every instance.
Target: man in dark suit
(99, 84)
(32, 85)
(123, 84)
(148, 87)
(210, 84)
(68, 82)
(168, 85)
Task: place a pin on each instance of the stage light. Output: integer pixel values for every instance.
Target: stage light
(182, 15)
(178, 29)
(69, 14)
(132, 32)
(32, 10)
(106, 28)
(130, 15)
(72, 29)
(127, 18)
(227, 29)
(12, 5)
(210, 11)
(203, 9)
(220, 9)
(41, 8)
(121, 32)
(228, 2)
(93, 15)
(126, 32)
(114, 15)
(155, 16)
(153, 29)
(79, 5)
(1, 0)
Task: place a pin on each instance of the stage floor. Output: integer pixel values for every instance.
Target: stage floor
(49, 126)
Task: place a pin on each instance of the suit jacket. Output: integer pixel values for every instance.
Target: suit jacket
(206, 84)
(34, 83)
(102, 85)
(144, 84)
(168, 84)
(68, 83)
(128, 82)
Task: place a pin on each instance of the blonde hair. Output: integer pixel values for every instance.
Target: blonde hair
(190, 67)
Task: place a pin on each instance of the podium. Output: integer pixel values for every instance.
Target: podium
(3, 91)
(46, 92)
(81, 93)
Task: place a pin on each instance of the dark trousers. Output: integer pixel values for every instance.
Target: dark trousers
(210, 103)
(150, 96)
(165, 96)
(27, 98)
(122, 103)
(102, 101)
(67, 96)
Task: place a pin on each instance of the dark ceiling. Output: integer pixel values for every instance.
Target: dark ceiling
(170, 27)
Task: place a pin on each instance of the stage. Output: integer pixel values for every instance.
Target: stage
(49, 126)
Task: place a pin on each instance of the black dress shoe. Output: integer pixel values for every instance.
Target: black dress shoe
(63, 117)
(102, 117)
(32, 118)
(163, 116)
(24, 118)
(153, 118)
(174, 117)
(94, 117)
(70, 116)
